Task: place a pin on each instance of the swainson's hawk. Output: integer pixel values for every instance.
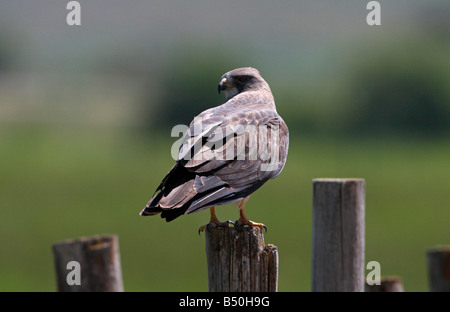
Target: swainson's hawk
(228, 152)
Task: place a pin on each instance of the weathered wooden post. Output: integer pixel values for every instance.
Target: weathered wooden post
(238, 260)
(338, 235)
(387, 284)
(438, 259)
(95, 259)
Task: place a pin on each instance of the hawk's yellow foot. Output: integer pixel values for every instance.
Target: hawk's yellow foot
(243, 220)
(214, 222)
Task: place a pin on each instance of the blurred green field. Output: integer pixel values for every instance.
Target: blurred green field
(65, 182)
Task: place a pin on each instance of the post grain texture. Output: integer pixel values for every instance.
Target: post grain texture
(238, 261)
(338, 235)
(99, 261)
(438, 259)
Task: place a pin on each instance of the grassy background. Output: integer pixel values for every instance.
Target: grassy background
(64, 182)
(86, 113)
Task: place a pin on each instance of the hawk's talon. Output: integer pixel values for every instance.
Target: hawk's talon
(214, 224)
(203, 228)
(243, 222)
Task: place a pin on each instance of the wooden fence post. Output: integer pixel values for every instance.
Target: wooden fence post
(387, 284)
(338, 235)
(238, 260)
(439, 268)
(97, 262)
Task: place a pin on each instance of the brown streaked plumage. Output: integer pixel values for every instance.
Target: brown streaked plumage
(204, 175)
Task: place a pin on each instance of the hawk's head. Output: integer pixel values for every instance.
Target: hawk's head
(241, 80)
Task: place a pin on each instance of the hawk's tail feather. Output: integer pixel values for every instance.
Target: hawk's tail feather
(152, 207)
(195, 203)
(147, 211)
(172, 214)
(168, 214)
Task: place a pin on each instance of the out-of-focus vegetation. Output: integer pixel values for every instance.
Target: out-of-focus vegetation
(66, 183)
(400, 88)
(7, 52)
(403, 90)
(86, 113)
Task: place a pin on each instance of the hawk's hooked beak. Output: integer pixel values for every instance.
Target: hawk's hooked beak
(222, 85)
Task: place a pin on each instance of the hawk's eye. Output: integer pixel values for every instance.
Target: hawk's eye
(243, 78)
